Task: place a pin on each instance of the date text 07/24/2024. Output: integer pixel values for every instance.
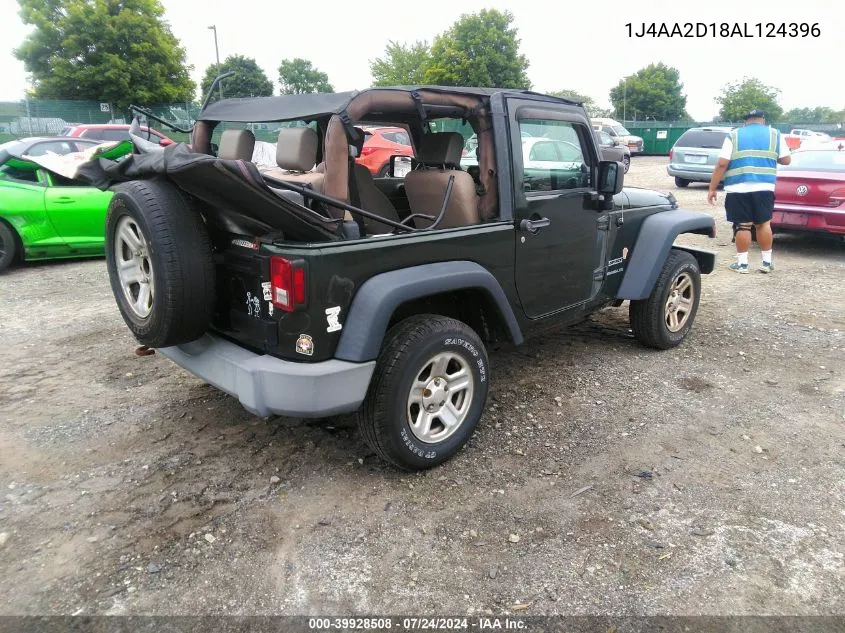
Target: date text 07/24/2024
(723, 29)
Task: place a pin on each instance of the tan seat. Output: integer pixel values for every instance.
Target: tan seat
(439, 156)
(236, 145)
(371, 198)
(296, 155)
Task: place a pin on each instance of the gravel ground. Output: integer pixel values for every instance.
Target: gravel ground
(603, 479)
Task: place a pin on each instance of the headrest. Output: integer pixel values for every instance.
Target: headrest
(236, 145)
(357, 140)
(440, 148)
(296, 149)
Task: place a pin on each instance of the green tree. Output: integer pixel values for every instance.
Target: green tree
(740, 97)
(248, 81)
(116, 51)
(655, 91)
(812, 115)
(588, 102)
(297, 76)
(401, 65)
(480, 49)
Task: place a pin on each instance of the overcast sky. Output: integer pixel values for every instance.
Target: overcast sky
(582, 46)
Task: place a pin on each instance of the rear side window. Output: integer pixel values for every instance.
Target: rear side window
(115, 135)
(23, 175)
(397, 137)
(702, 138)
(51, 147)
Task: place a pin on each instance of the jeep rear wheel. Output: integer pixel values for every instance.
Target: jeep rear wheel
(158, 255)
(427, 393)
(665, 318)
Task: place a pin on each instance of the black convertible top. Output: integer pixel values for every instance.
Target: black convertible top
(318, 105)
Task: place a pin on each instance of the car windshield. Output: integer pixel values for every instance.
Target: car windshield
(620, 130)
(711, 139)
(817, 160)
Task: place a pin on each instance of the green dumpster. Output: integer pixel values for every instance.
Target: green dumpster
(658, 136)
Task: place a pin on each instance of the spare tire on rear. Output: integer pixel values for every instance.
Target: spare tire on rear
(158, 254)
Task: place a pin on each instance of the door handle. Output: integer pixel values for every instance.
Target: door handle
(532, 226)
(63, 200)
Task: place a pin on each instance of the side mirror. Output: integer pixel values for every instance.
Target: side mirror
(399, 166)
(616, 142)
(611, 176)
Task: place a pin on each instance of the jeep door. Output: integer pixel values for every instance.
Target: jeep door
(559, 247)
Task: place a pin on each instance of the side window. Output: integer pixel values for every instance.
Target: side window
(609, 130)
(117, 135)
(94, 133)
(29, 176)
(553, 157)
(50, 147)
(544, 151)
(61, 181)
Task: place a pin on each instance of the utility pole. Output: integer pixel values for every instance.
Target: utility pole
(624, 98)
(213, 27)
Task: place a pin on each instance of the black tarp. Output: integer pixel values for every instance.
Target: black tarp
(233, 192)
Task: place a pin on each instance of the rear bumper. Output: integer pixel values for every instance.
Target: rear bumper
(703, 174)
(267, 385)
(794, 217)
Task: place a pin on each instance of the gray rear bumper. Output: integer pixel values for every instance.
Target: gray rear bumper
(701, 175)
(265, 384)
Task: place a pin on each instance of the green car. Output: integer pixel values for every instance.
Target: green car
(44, 215)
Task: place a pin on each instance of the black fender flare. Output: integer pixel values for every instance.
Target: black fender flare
(655, 239)
(378, 297)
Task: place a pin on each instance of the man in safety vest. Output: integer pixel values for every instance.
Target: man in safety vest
(748, 163)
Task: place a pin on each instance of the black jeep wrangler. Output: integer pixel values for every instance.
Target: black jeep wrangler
(310, 288)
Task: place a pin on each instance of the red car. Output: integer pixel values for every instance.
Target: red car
(810, 191)
(112, 132)
(380, 143)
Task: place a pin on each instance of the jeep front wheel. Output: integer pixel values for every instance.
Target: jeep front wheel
(665, 318)
(427, 393)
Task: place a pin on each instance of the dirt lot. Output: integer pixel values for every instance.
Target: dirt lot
(604, 478)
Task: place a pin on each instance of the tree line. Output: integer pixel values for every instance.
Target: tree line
(123, 51)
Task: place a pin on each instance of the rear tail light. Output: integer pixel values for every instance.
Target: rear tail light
(837, 197)
(287, 283)
(670, 153)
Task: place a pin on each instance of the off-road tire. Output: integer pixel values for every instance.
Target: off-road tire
(680, 182)
(9, 246)
(180, 253)
(648, 316)
(383, 419)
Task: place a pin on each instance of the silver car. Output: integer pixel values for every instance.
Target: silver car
(694, 155)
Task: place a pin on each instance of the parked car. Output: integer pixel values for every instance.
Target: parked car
(612, 149)
(380, 143)
(810, 191)
(618, 132)
(113, 132)
(302, 303)
(44, 215)
(695, 153)
(800, 137)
